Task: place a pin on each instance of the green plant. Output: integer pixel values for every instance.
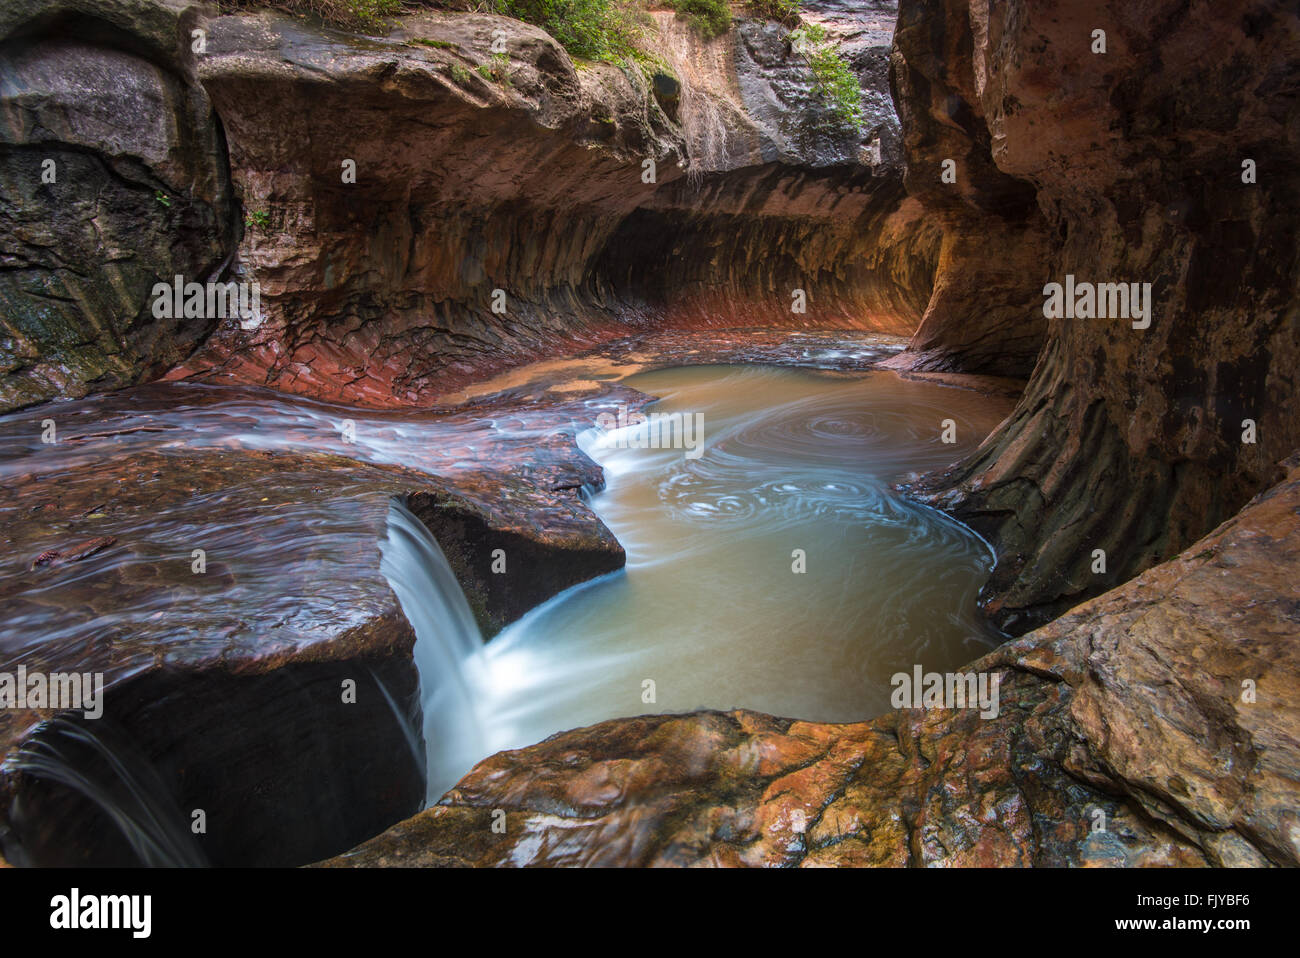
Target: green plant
(835, 82)
(361, 14)
(162, 198)
(712, 17)
(810, 34)
(257, 219)
(436, 44)
(782, 11)
(602, 30)
(497, 69)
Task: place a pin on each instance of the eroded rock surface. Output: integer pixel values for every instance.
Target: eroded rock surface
(530, 179)
(215, 558)
(1127, 167)
(113, 177)
(1161, 710)
(473, 175)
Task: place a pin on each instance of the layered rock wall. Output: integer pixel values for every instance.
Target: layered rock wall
(113, 177)
(502, 207)
(1123, 166)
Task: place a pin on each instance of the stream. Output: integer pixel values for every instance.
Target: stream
(770, 567)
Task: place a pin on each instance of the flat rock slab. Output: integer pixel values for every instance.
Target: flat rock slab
(285, 500)
(175, 531)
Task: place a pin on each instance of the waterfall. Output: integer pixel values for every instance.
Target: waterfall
(448, 647)
(119, 782)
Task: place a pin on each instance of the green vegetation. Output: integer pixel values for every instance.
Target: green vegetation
(460, 74)
(712, 17)
(354, 14)
(836, 83)
(782, 11)
(257, 219)
(436, 44)
(603, 30)
(162, 198)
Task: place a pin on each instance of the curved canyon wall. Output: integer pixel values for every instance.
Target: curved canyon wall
(1124, 166)
(473, 176)
(113, 175)
(418, 213)
(1161, 709)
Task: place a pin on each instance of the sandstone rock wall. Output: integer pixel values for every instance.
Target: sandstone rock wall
(1123, 166)
(531, 180)
(522, 173)
(113, 177)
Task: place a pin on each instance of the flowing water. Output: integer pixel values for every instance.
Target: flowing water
(770, 567)
(446, 649)
(710, 608)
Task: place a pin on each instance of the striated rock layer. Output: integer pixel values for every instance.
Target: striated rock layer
(418, 212)
(505, 212)
(1123, 166)
(1151, 726)
(1158, 709)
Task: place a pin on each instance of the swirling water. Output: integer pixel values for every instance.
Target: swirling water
(710, 608)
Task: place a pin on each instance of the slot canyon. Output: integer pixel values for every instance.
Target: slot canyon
(608, 434)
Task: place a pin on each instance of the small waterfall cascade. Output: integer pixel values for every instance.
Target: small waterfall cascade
(119, 783)
(448, 647)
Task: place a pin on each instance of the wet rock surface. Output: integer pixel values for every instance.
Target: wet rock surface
(1124, 166)
(1160, 704)
(206, 543)
(1128, 712)
(113, 176)
(235, 559)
